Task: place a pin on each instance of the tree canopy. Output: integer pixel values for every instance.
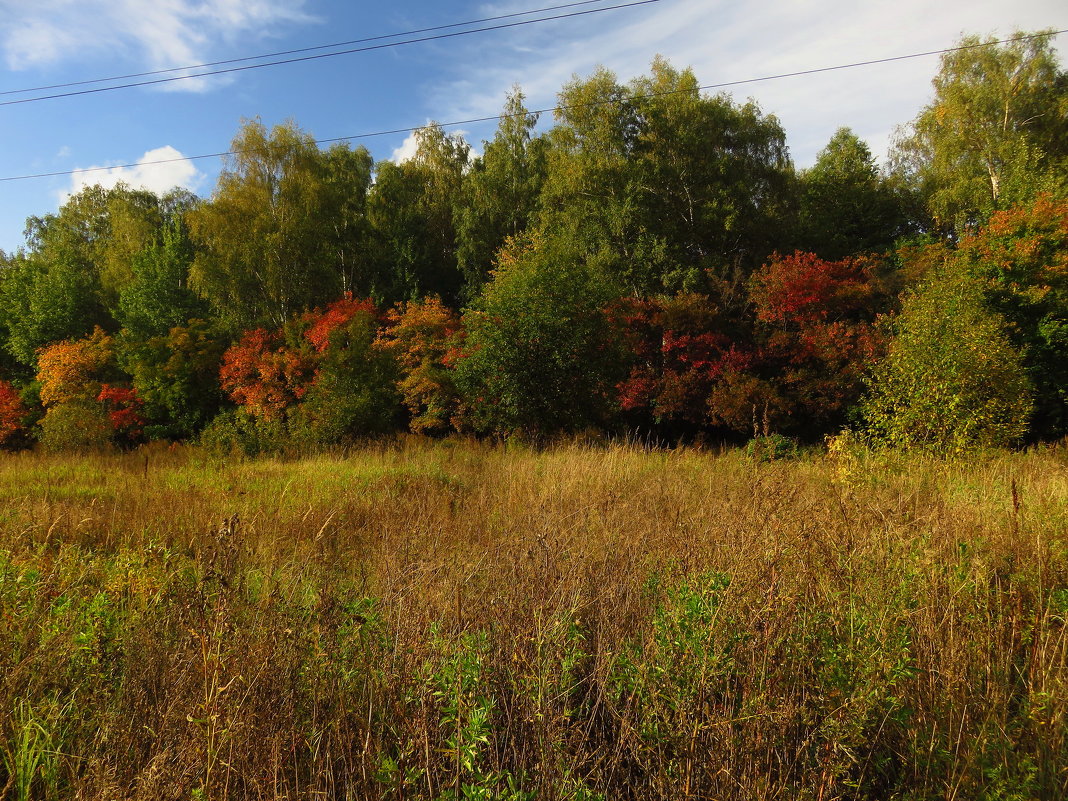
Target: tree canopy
(996, 131)
(649, 261)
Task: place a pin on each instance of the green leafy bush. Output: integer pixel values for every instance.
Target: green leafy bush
(539, 356)
(951, 380)
(354, 393)
(77, 426)
(239, 432)
(772, 447)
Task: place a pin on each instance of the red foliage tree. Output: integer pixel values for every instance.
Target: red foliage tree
(124, 410)
(270, 373)
(265, 375)
(802, 290)
(816, 328)
(682, 351)
(12, 413)
(321, 324)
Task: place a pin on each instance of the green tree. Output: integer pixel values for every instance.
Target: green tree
(540, 354)
(712, 179)
(951, 379)
(177, 376)
(101, 230)
(354, 393)
(269, 237)
(411, 214)
(996, 132)
(845, 207)
(500, 192)
(47, 300)
(589, 202)
(78, 262)
(158, 297)
(662, 187)
(348, 181)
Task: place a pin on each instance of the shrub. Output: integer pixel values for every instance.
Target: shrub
(240, 432)
(425, 336)
(540, 354)
(354, 392)
(951, 379)
(177, 377)
(772, 447)
(78, 426)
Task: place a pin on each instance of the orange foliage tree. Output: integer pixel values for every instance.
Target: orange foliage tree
(75, 368)
(264, 374)
(1022, 257)
(425, 338)
(86, 403)
(273, 373)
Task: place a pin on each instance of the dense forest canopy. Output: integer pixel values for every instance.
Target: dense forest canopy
(651, 261)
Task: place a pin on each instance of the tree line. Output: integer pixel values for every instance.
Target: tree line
(653, 263)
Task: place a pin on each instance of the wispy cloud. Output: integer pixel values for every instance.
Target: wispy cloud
(159, 178)
(157, 35)
(726, 41)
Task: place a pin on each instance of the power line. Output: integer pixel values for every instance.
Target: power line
(296, 50)
(350, 51)
(491, 118)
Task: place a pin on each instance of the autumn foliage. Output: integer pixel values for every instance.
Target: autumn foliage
(74, 369)
(12, 413)
(321, 325)
(681, 351)
(816, 324)
(264, 374)
(124, 410)
(801, 290)
(796, 367)
(425, 338)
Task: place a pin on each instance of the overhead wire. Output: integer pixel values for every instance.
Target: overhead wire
(350, 51)
(557, 108)
(309, 49)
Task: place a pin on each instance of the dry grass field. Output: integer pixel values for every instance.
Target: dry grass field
(432, 620)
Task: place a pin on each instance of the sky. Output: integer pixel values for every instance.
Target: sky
(461, 77)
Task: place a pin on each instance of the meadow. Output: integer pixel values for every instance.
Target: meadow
(457, 619)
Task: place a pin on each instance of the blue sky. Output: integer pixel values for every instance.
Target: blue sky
(46, 42)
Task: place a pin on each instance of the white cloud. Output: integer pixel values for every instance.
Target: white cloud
(176, 171)
(727, 41)
(408, 148)
(406, 151)
(156, 34)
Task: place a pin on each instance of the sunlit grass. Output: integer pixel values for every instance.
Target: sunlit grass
(584, 621)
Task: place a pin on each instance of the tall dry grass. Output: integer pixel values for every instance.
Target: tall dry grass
(461, 620)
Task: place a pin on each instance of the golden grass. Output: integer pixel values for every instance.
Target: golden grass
(440, 619)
